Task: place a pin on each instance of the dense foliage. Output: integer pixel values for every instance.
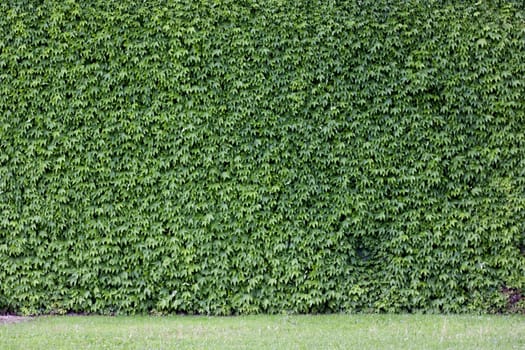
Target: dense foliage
(240, 156)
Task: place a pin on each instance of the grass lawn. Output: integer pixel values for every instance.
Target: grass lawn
(267, 332)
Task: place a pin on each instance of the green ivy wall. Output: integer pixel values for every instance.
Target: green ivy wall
(245, 156)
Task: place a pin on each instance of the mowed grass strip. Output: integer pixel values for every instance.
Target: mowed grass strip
(268, 332)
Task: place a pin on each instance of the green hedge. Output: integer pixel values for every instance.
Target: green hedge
(243, 156)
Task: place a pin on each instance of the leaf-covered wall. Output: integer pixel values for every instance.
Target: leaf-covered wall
(241, 156)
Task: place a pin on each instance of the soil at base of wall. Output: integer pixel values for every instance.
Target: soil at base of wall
(6, 319)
